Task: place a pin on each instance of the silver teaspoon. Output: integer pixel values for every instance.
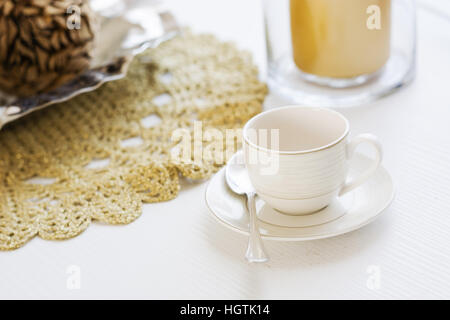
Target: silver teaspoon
(239, 182)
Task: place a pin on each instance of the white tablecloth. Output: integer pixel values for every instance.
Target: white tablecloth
(177, 250)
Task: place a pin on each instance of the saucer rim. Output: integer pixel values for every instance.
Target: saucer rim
(386, 205)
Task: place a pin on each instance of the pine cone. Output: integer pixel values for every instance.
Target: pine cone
(43, 43)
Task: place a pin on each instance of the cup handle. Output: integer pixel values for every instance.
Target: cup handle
(351, 146)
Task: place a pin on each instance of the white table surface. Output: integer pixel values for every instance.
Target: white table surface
(177, 250)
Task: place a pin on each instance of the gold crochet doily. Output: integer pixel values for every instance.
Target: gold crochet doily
(101, 155)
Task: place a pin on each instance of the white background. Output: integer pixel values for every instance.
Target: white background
(177, 250)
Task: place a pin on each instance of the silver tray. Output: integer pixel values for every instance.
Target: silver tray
(128, 27)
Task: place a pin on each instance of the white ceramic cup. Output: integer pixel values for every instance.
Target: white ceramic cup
(297, 157)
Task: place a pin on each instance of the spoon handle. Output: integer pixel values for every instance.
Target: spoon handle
(255, 250)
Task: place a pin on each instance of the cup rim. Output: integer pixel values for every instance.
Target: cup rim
(329, 145)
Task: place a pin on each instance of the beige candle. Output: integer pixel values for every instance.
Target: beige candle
(340, 38)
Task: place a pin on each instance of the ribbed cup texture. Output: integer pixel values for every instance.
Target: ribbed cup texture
(298, 176)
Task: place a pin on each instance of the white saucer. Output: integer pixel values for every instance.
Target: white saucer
(345, 214)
